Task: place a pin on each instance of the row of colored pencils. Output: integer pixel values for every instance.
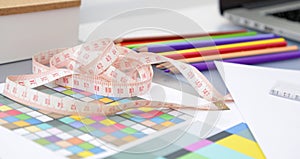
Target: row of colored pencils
(200, 50)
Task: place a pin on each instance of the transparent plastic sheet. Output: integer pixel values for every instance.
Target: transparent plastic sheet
(128, 24)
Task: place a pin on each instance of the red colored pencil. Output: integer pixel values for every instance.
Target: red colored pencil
(225, 50)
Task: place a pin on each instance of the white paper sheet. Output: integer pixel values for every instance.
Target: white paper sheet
(273, 120)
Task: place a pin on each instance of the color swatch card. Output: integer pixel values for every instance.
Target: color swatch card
(81, 137)
(236, 142)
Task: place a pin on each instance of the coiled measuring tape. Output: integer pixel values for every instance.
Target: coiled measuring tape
(103, 68)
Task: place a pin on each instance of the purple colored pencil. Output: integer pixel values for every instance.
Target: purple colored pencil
(202, 66)
(204, 43)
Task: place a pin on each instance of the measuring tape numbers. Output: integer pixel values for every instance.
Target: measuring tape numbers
(106, 69)
(286, 90)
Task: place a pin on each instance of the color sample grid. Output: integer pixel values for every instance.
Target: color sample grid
(236, 142)
(46, 131)
(14, 115)
(124, 128)
(78, 136)
(62, 139)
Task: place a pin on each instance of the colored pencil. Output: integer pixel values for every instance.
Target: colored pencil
(232, 55)
(240, 54)
(171, 37)
(194, 39)
(197, 44)
(202, 66)
(225, 50)
(225, 46)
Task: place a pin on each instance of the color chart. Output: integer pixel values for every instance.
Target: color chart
(80, 137)
(236, 142)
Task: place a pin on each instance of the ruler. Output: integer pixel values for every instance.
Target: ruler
(286, 90)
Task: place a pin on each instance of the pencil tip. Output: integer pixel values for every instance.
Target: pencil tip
(119, 40)
(142, 49)
(158, 66)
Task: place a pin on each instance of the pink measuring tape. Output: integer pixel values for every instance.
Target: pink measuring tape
(106, 69)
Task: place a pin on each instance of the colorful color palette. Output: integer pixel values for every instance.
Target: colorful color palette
(14, 115)
(236, 142)
(80, 137)
(123, 128)
(46, 131)
(62, 139)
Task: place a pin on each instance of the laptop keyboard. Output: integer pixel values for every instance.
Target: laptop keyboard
(292, 15)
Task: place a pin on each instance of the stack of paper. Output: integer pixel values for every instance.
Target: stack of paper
(273, 120)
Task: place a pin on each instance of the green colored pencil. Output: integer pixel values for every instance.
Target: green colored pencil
(251, 33)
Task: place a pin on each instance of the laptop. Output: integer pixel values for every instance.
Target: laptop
(281, 17)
